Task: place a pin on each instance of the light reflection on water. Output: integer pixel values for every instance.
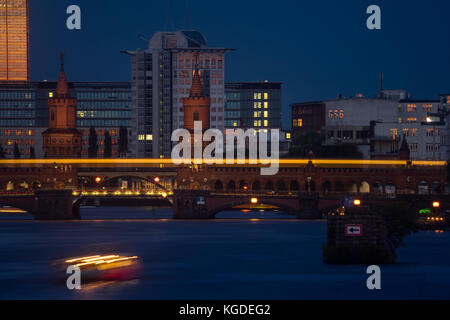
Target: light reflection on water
(253, 258)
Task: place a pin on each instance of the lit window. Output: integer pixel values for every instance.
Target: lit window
(412, 120)
(427, 107)
(266, 105)
(149, 137)
(266, 114)
(141, 137)
(266, 123)
(266, 96)
(411, 108)
(50, 94)
(400, 120)
(299, 122)
(288, 135)
(393, 133)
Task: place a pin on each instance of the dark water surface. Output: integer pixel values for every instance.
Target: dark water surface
(276, 258)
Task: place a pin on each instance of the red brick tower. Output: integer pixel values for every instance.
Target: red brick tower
(62, 139)
(197, 105)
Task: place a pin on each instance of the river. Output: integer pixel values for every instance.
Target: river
(259, 255)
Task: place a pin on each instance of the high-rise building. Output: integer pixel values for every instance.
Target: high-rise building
(14, 40)
(161, 79)
(253, 105)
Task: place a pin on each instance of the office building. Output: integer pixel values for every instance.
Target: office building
(24, 113)
(307, 117)
(14, 51)
(377, 125)
(161, 79)
(254, 105)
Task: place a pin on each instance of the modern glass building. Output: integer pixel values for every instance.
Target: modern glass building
(253, 105)
(14, 50)
(161, 78)
(106, 106)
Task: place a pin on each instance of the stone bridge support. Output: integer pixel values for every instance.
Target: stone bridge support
(55, 205)
(46, 204)
(309, 206)
(189, 204)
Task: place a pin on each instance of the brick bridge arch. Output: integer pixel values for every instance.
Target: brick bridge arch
(108, 179)
(27, 203)
(217, 205)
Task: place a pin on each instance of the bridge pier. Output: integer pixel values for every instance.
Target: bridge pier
(309, 206)
(55, 205)
(191, 204)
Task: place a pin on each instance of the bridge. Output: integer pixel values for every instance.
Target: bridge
(307, 188)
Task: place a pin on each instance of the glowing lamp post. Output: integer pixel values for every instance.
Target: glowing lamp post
(357, 202)
(254, 200)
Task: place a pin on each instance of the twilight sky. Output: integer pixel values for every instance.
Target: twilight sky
(318, 49)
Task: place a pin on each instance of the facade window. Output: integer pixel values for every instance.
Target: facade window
(413, 132)
(266, 105)
(266, 114)
(430, 132)
(427, 107)
(266, 123)
(400, 120)
(412, 120)
(266, 96)
(413, 147)
(432, 147)
(393, 133)
(257, 105)
(411, 108)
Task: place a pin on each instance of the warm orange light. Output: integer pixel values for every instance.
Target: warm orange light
(157, 180)
(164, 195)
(98, 179)
(169, 162)
(436, 204)
(254, 200)
(357, 202)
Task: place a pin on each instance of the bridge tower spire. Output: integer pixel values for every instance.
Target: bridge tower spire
(62, 139)
(197, 105)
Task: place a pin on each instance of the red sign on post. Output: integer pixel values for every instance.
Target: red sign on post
(353, 230)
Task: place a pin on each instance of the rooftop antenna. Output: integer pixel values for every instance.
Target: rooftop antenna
(187, 19)
(169, 22)
(381, 81)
